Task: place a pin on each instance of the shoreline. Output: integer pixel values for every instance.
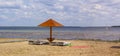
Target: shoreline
(12, 40)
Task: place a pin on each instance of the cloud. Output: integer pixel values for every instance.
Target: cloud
(57, 6)
(97, 6)
(10, 4)
(68, 12)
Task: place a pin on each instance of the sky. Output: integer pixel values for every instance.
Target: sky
(67, 12)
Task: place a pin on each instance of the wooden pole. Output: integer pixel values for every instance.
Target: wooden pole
(51, 34)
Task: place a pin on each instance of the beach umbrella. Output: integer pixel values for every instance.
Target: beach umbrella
(50, 23)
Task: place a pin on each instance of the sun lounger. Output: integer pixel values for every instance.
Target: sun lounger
(38, 42)
(60, 43)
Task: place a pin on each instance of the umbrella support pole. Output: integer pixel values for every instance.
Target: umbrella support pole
(50, 39)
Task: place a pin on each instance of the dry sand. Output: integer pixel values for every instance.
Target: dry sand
(95, 48)
(10, 39)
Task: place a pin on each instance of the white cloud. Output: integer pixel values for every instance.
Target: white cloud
(48, 11)
(85, 12)
(7, 3)
(58, 6)
(63, 0)
(98, 6)
(115, 1)
(10, 3)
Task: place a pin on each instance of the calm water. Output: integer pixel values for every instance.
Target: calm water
(103, 33)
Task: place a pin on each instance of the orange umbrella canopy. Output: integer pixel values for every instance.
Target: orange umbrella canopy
(50, 22)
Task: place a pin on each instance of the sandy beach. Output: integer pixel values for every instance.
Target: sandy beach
(94, 48)
(59, 27)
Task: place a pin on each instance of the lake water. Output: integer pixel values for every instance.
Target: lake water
(103, 33)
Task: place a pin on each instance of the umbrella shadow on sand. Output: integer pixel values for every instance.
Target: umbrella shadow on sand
(117, 47)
